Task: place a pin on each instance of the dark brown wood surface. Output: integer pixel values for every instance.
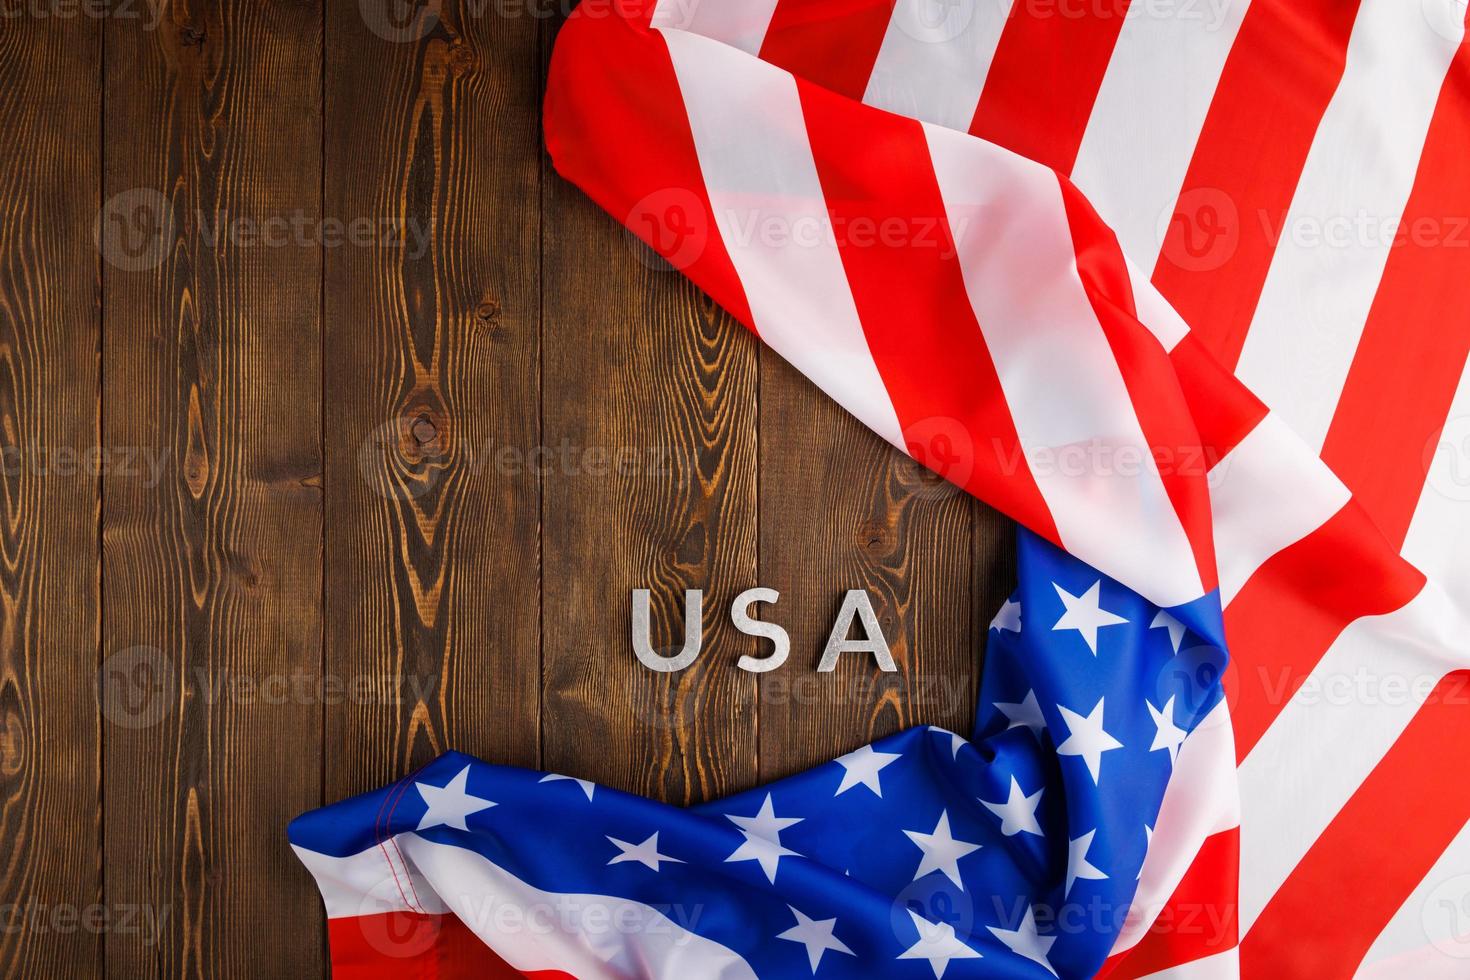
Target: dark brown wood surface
(337, 431)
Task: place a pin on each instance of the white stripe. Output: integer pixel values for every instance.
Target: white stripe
(1334, 731)
(370, 882)
(935, 57)
(1199, 802)
(1439, 535)
(758, 168)
(1066, 394)
(589, 936)
(1267, 493)
(739, 23)
(1149, 111)
(1335, 241)
(1429, 936)
(1220, 966)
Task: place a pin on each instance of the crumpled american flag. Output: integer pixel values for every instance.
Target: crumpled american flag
(1183, 286)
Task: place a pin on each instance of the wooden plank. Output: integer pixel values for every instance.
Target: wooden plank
(840, 510)
(642, 369)
(212, 563)
(50, 803)
(432, 130)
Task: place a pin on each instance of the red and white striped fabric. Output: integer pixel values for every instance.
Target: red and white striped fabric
(926, 206)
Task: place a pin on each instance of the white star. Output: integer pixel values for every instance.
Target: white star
(1077, 864)
(587, 785)
(815, 935)
(1009, 617)
(1027, 714)
(451, 803)
(862, 768)
(1084, 614)
(1018, 812)
(1087, 738)
(938, 944)
(942, 852)
(767, 853)
(1026, 941)
(1163, 621)
(645, 854)
(763, 838)
(1167, 735)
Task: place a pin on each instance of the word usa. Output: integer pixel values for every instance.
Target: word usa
(855, 604)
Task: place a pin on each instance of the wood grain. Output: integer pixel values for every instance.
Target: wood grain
(212, 571)
(389, 421)
(840, 509)
(432, 379)
(50, 806)
(642, 367)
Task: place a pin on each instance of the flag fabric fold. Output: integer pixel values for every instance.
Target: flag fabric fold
(970, 269)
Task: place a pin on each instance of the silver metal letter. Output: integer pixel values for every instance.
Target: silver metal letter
(780, 640)
(643, 631)
(856, 601)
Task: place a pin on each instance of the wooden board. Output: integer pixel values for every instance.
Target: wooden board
(432, 360)
(212, 566)
(408, 419)
(50, 794)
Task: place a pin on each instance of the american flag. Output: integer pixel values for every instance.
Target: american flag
(1183, 286)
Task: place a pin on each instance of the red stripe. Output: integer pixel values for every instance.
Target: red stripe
(400, 945)
(875, 171)
(1294, 607)
(1199, 919)
(1224, 411)
(1153, 386)
(616, 126)
(833, 43)
(1379, 847)
(1417, 336)
(1045, 76)
(1286, 63)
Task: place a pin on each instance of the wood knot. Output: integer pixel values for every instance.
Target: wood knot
(487, 314)
(423, 435)
(192, 37)
(875, 537)
(424, 430)
(461, 59)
